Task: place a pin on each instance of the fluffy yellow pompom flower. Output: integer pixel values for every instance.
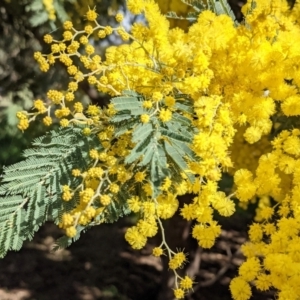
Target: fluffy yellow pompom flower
(147, 229)
(134, 204)
(177, 260)
(263, 282)
(179, 293)
(166, 184)
(186, 283)
(67, 194)
(157, 251)
(291, 106)
(71, 231)
(76, 172)
(114, 188)
(223, 205)
(67, 35)
(135, 238)
(91, 15)
(165, 115)
(170, 101)
(148, 209)
(88, 29)
(105, 200)
(255, 232)
(135, 6)
(93, 110)
(119, 17)
(140, 176)
(67, 220)
(188, 212)
(252, 134)
(240, 289)
(48, 39)
(250, 269)
(157, 96)
(47, 121)
(86, 195)
(145, 118)
(68, 25)
(147, 104)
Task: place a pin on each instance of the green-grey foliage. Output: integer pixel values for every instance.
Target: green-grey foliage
(219, 7)
(31, 189)
(160, 148)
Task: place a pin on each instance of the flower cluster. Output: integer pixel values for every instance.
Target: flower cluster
(242, 83)
(50, 9)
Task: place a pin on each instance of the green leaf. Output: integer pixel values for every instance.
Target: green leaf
(184, 107)
(39, 19)
(175, 155)
(141, 132)
(126, 103)
(139, 149)
(35, 5)
(159, 169)
(121, 116)
(11, 237)
(148, 154)
(175, 136)
(124, 126)
(32, 195)
(60, 11)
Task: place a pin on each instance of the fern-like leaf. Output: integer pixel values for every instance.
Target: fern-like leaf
(31, 189)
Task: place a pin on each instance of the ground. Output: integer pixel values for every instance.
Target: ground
(101, 265)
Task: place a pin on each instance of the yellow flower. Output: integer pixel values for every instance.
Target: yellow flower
(145, 118)
(67, 35)
(76, 172)
(134, 204)
(88, 29)
(179, 293)
(89, 49)
(170, 101)
(135, 6)
(255, 232)
(223, 205)
(263, 282)
(91, 15)
(119, 17)
(146, 228)
(157, 96)
(67, 220)
(291, 106)
(177, 260)
(64, 122)
(140, 176)
(250, 269)
(165, 115)
(147, 104)
(93, 110)
(157, 251)
(48, 39)
(135, 238)
(240, 289)
(47, 121)
(71, 231)
(68, 25)
(188, 212)
(186, 283)
(252, 134)
(105, 200)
